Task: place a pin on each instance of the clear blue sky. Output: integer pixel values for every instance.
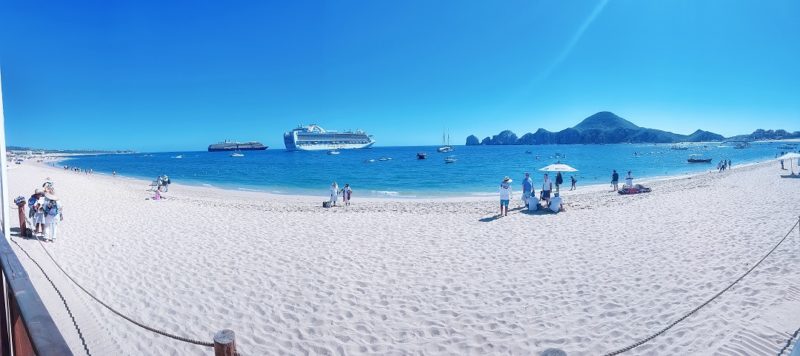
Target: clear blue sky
(178, 75)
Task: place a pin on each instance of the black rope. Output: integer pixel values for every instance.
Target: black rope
(653, 336)
(143, 326)
(789, 342)
(66, 306)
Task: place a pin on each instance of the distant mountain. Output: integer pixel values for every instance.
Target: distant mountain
(602, 127)
(762, 134)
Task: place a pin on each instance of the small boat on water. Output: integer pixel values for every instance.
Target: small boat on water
(698, 159)
(450, 159)
(237, 154)
(333, 152)
(178, 156)
(384, 159)
(422, 155)
(445, 145)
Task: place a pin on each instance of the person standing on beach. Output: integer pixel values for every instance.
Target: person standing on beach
(505, 196)
(527, 188)
(572, 178)
(615, 180)
(547, 186)
(53, 211)
(334, 193)
(559, 181)
(346, 192)
(629, 180)
(38, 215)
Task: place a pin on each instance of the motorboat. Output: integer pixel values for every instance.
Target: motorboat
(237, 154)
(333, 152)
(450, 159)
(384, 159)
(698, 159)
(422, 155)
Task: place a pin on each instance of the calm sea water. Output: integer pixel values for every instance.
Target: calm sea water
(478, 170)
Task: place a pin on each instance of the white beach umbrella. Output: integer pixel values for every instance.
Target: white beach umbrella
(790, 156)
(558, 167)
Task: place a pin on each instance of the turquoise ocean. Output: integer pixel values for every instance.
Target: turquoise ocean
(396, 171)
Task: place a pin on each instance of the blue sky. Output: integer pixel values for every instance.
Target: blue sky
(152, 75)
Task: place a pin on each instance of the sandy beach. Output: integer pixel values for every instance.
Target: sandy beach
(432, 277)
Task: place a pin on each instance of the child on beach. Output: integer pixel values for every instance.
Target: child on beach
(505, 195)
(38, 215)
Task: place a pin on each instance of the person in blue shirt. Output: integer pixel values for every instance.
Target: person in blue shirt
(527, 188)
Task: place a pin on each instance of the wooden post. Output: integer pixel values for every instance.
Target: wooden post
(22, 225)
(225, 343)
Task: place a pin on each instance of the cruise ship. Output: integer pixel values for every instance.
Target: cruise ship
(315, 138)
(236, 146)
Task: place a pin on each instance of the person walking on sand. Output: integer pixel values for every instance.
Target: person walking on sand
(346, 192)
(547, 187)
(572, 178)
(615, 180)
(505, 195)
(527, 188)
(334, 193)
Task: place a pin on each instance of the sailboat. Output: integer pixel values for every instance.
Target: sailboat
(445, 145)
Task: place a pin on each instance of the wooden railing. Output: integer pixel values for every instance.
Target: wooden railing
(26, 326)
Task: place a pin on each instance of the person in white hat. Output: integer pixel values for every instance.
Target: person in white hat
(505, 195)
(52, 216)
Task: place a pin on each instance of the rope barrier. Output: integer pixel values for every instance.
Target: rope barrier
(66, 306)
(118, 313)
(653, 336)
(143, 326)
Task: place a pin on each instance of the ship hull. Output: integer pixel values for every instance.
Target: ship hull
(329, 147)
(228, 149)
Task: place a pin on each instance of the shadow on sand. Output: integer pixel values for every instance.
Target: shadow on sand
(522, 210)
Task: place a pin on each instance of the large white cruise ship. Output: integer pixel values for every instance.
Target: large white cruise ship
(315, 138)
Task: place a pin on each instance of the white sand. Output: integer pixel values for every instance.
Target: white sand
(425, 276)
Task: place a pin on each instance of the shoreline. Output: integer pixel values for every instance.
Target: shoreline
(391, 196)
